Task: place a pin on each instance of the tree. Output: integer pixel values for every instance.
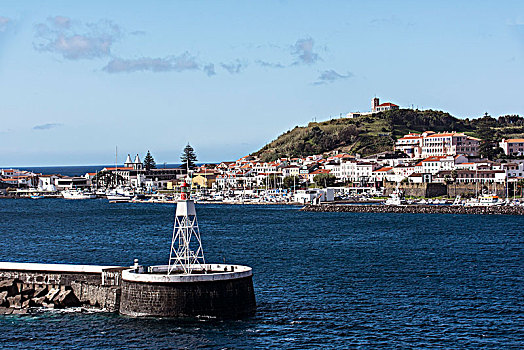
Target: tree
(188, 157)
(149, 161)
(325, 180)
(291, 182)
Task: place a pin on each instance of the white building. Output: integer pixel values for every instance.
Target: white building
(512, 146)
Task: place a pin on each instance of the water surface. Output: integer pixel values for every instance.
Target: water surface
(322, 280)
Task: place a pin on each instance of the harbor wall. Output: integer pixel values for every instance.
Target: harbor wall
(222, 298)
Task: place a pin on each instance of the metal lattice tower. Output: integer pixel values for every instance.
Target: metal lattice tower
(186, 247)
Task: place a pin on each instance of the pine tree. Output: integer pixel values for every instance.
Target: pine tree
(188, 157)
(149, 161)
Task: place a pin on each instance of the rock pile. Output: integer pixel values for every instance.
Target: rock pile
(17, 297)
(417, 209)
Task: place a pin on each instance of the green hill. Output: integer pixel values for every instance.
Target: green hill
(377, 133)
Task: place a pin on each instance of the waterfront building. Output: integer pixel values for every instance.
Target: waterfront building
(383, 174)
(67, 182)
(513, 147)
(473, 176)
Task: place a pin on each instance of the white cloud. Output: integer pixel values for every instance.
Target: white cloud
(46, 126)
(303, 51)
(171, 63)
(234, 67)
(91, 40)
(4, 22)
(330, 76)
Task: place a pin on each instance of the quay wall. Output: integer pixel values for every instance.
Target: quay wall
(427, 190)
(416, 209)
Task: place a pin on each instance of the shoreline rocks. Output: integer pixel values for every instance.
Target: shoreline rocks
(416, 209)
(17, 297)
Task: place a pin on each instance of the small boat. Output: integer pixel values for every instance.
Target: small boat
(115, 198)
(77, 194)
(37, 196)
(396, 198)
(484, 201)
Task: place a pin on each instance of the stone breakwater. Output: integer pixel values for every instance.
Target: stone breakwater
(54, 286)
(416, 209)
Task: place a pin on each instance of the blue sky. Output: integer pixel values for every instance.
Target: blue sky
(79, 78)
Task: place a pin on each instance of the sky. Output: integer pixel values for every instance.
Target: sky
(78, 79)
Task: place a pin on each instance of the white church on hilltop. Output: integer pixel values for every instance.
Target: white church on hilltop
(376, 107)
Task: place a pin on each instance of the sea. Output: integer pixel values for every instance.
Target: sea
(322, 280)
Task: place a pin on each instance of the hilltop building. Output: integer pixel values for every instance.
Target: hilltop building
(376, 107)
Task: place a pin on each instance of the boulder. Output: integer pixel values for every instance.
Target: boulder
(37, 301)
(19, 311)
(15, 301)
(48, 305)
(3, 297)
(10, 286)
(52, 294)
(40, 292)
(66, 298)
(5, 311)
(27, 290)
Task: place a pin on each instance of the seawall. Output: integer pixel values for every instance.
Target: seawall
(416, 209)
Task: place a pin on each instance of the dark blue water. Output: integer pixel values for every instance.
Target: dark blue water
(78, 170)
(322, 280)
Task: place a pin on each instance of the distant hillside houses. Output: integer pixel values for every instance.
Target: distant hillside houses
(376, 107)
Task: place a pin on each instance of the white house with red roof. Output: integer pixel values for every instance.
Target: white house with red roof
(384, 173)
(512, 146)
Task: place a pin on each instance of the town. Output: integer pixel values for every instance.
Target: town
(422, 165)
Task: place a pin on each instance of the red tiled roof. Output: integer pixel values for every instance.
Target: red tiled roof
(386, 168)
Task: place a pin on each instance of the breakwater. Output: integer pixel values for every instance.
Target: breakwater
(226, 291)
(417, 209)
(26, 285)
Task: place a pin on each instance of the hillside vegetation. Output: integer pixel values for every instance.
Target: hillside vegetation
(377, 133)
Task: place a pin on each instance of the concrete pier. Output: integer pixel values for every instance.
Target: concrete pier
(224, 291)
